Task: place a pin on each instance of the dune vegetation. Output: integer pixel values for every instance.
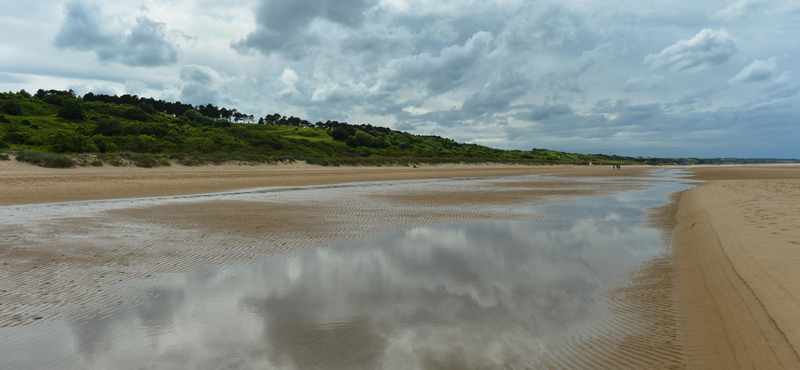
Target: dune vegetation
(59, 129)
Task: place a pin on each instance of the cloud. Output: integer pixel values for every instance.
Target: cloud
(545, 112)
(783, 86)
(438, 74)
(135, 87)
(737, 10)
(538, 24)
(643, 83)
(441, 30)
(282, 26)
(758, 70)
(146, 44)
(498, 94)
(200, 84)
(703, 51)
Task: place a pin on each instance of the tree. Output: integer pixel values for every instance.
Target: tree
(352, 141)
(12, 107)
(261, 121)
(71, 109)
(25, 94)
(339, 134)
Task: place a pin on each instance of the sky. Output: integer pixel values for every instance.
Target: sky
(631, 77)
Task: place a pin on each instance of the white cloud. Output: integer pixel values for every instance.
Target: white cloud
(135, 87)
(737, 10)
(643, 83)
(703, 51)
(758, 70)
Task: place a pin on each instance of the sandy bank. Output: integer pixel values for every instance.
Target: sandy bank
(22, 183)
(737, 255)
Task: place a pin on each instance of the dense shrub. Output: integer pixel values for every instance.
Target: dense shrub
(71, 109)
(108, 127)
(4, 157)
(12, 107)
(69, 142)
(46, 159)
(53, 99)
(339, 134)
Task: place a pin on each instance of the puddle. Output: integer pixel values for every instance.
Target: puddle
(459, 296)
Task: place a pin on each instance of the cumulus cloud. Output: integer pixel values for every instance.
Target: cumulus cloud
(703, 51)
(438, 74)
(200, 84)
(538, 24)
(498, 94)
(441, 30)
(146, 44)
(643, 83)
(282, 25)
(758, 70)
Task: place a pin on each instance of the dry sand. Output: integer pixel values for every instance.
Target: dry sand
(737, 255)
(23, 183)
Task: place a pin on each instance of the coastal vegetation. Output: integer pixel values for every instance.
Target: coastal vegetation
(54, 128)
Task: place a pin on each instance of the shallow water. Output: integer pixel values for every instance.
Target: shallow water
(452, 296)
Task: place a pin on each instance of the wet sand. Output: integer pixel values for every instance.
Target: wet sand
(57, 255)
(508, 287)
(737, 255)
(725, 295)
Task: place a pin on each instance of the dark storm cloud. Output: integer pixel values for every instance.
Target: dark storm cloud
(146, 44)
(282, 25)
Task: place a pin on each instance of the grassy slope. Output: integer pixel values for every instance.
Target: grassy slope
(122, 134)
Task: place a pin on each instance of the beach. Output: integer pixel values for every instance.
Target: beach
(737, 253)
(725, 266)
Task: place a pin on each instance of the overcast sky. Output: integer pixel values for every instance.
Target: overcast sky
(633, 77)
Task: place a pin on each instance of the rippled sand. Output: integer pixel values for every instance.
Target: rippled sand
(63, 258)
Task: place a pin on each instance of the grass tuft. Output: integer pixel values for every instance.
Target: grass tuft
(49, 160)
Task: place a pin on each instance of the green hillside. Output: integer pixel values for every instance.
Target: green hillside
(57, 129)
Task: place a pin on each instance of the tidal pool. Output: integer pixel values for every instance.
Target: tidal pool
(491, 294)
